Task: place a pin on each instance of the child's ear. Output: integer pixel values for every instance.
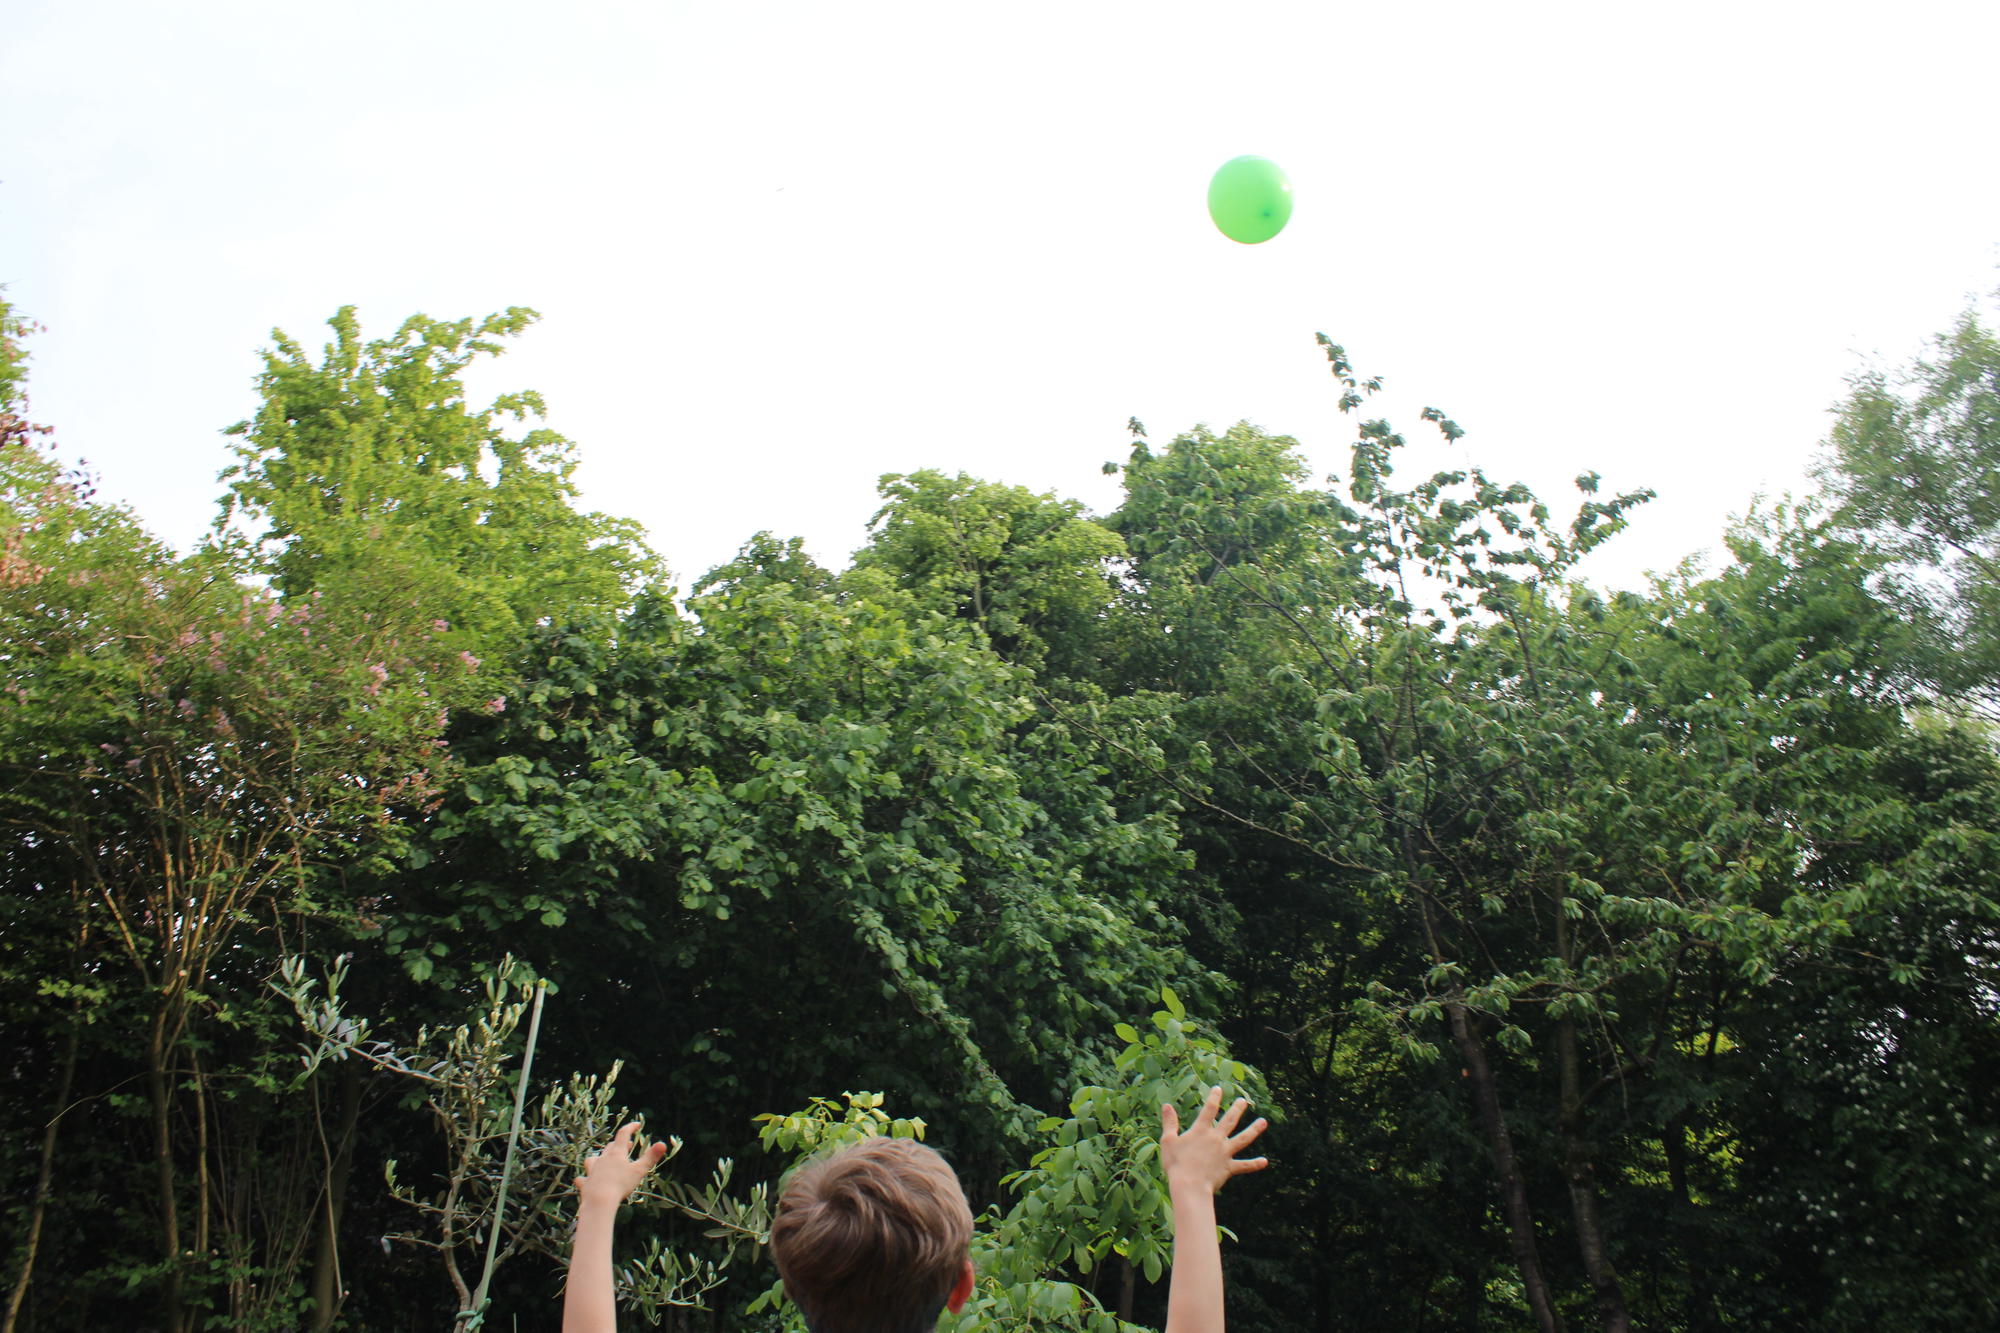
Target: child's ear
(961, 1290)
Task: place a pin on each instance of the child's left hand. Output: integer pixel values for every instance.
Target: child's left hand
(609, 1176)
(1204, 1157)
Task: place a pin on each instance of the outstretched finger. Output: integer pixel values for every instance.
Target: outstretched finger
(1243, 1166)
(1230, 1118)
(1170, 1122)
(622, 1140)
(1209, 1105)
(1249, 1135)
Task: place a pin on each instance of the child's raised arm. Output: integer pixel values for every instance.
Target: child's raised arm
(590, 1303)
(1198, 1162)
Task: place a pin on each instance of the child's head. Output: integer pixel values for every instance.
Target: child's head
(873, 1237)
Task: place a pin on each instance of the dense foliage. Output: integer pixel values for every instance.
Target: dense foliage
(1913, 464)
(1607, 959)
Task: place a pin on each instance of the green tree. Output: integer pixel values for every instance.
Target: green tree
(1233, 554)
(1913, 465)
(1210, 522)
(1030, 570)
(1863, 1088)
(1541, 830)
(186, 762)
(832, 828)
(369, 477)
(511, 1155)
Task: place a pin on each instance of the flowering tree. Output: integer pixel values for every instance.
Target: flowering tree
(194, 761)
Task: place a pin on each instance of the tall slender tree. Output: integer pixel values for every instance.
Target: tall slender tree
(1913, 466)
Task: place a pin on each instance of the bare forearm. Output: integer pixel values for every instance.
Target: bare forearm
(589, 1301)
(1194, 1296)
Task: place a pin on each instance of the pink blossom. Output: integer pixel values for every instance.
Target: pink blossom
(440, 626)
(469, 660)
(496, 705)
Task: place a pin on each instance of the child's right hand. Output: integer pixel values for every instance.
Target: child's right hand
(1204, 1156)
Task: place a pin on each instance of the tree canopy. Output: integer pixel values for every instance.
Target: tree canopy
(369, 475)
(1605, 958)
(1913, 466)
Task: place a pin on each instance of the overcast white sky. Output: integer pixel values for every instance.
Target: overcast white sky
(783, 248)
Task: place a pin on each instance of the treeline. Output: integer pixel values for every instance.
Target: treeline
(1605, 960)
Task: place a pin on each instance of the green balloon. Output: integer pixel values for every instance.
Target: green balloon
(1250, 199)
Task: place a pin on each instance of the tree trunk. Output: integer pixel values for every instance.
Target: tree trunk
(163, 1168)
(1513, 1190)
(328, 1292)
(204, 1201)
(32, 1241)
(448, 1234)
(1128, 1285)
(1580, 1173)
